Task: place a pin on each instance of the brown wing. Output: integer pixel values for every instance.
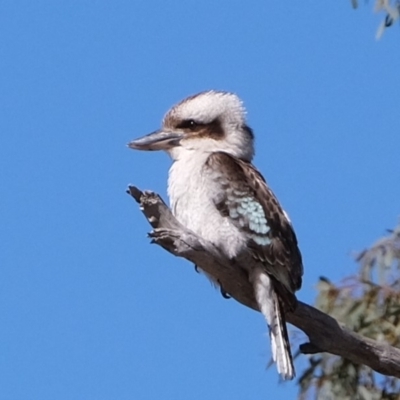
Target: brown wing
(244, 195)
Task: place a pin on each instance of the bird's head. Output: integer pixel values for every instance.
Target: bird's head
(206, 122)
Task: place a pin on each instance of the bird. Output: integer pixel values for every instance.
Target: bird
(215, 191)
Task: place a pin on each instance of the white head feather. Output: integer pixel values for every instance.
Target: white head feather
(206, 107)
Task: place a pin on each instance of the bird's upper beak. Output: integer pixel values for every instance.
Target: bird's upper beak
(158, 140)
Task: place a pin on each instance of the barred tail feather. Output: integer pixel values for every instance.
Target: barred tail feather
(269, 305)
(280, 345)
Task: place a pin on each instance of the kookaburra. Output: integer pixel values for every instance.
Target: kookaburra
(217, 193)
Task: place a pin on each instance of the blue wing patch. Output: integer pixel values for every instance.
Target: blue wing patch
(250, 215)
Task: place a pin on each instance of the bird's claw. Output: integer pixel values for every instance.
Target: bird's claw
(225, 294)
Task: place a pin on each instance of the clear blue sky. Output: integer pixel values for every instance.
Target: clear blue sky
(88, 308)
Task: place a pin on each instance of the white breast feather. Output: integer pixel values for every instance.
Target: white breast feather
(191, 195)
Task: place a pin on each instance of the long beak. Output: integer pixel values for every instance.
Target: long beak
(158, 140)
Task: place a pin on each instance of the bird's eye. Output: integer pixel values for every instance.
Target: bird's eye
(188, 124)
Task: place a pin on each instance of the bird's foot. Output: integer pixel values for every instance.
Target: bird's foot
(225, 294)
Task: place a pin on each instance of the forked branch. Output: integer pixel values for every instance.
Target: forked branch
(324, 332)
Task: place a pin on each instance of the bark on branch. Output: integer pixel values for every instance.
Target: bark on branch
(324, 332)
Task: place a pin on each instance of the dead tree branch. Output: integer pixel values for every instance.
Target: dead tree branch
(324, 332)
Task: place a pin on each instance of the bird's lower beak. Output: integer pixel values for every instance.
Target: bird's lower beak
(158, 140)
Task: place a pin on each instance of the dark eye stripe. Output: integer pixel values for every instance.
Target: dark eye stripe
(187, 124)
(211, 129)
